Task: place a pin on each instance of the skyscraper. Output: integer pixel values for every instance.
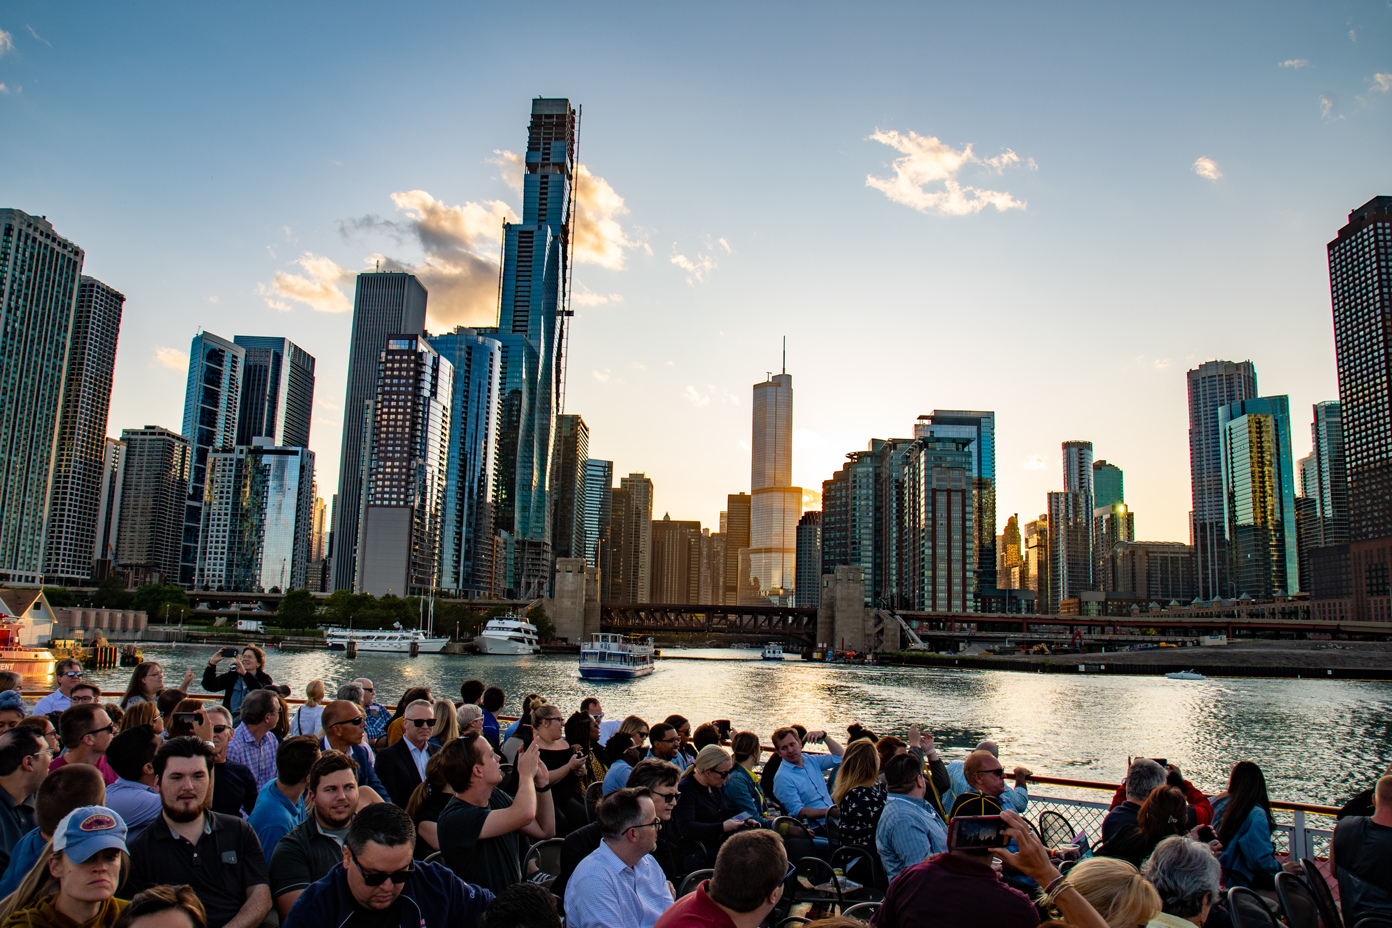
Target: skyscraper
(1009, 555)
(531, 326)
(676, 561)
(775, 504)
(1035, 561)
(809, 559)
(568, 484)
(153, 497)
(108, 527)
(938, 535)
(466, 534)
(38, 291)
(1330, 485)
(599, 488)
(617, 566)
(735, 582)
(406, 458)
(980, 427)
(1113, 522)
(386, 303)
(212, 407)
(1259, 491)
(257, 515)
(638, 532)
(277, 391)
(81, 451)
(1211, 385)
(1072, 534)
(1108, 484)
(852, 516)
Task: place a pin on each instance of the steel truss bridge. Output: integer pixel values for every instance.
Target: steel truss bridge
(799, 622)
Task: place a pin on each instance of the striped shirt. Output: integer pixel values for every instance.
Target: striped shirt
(909, 830)
(259, 757)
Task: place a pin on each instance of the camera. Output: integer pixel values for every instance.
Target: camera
(229, 652)
(970, 832)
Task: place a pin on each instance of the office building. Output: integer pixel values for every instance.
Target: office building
(638, 535)
(257, 511)
(775, 504)
(1071, 562)
(81, 451)
(676, 561)
(39, 272)
(406, 454)
(1009, 555)
(1329, 484)
(568, 484)
(599, 488)
(385, 302)
(108, 523)
(1034, 560)
(1307, 532)
(938, 536)
(809, 559)
(1259, 491)
(618, 567)
(318, 529)
(277, 391)
(1111, 526)
(980, 427)
(466, 532)
(1159, 571)
(852, 515)
(1108, 485)
(1211, 386)
(735, 585)
(153, 495)
(212, 407)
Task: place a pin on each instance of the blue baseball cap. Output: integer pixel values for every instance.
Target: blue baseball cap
(85, 831)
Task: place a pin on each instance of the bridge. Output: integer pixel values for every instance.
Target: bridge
(772, 622)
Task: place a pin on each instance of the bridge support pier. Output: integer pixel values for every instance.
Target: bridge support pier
(844, 621)
(574, 610)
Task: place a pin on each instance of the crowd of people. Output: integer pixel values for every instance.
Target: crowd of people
(165, 808)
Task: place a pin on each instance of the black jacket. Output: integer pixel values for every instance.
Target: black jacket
(227, 682)
(397, 770)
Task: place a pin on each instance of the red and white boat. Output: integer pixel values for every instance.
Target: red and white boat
(30, 662)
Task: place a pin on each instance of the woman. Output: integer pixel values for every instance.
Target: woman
(686, 753)
(741, 791)
(43, 727)
(396, 728)
(1244, 830)
(281, 730)
(446, 726)
(143, 713)
(307, 720)
(520, 735)
(469, 718)
(859, 795)
(427, 801)
(1164, 812)
(635, 728)
(582, 731)
(1116, 890)
(563, 766)
(164, 907)
(147, 682)
(621, 756)
(529, 702)
(703, 814)
(74, 881)
(247, 673)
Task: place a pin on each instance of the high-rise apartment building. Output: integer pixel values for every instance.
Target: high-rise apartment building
(39, 272)
(318, 527)
(617, 566)
(676, 561)
(108, 524)
(212, 408)
(81, 452)
(154, 492)
(1259, 491)
(1330, 484)
(1113, 522)
(775, 504)
(1108, 484)
(1072, 566)
(1035, 560)
(809, 559)
(385, 303)
(599, 488)
(938, 536)
(1212, 385)
(735, 584)
(406, 458)
(853, 514)
(466, 533)
(1160, 571)
(980, 427)
(531, 326)
(277, 391)
(1009, 555)
(638, 550)
(568, 485)
(257, 510)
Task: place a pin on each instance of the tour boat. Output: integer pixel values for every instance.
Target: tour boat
(395, 641)
(614, 657)
(773, 651)
(508, 634)
(1185, 675)
(29, 662)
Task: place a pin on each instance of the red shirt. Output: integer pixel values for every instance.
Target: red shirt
(695, 910)
(107, 773)
(951, 890)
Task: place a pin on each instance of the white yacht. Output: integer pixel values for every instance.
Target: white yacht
(612, 657)
(773, 651)
(395, 641)
(508, 634)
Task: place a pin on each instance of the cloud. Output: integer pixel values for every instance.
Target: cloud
(212, 299)
(318, 287)
(1036, 462)
(697, 268)
(6, 42)
(583, 296)
(726, 245)
(1381, 83)
(927, 162)
(512, 168)
(599, 237)
(37, 36)
(1207, 168)
(1158, 364)
(1326, 103)
(695, 397)
(1353, 35)
(4, 89)
(1294, 63)
(602, 376)
(172, 358)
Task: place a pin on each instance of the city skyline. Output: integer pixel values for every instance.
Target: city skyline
(1227, 273)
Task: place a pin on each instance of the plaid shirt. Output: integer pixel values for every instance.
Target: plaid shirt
(259, 758)
(909, 831)
(377, 717)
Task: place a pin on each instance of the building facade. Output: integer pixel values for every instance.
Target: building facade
(257, 515)
(1034, 560)
(1211, 386)
(735, 584)
(568, 484)
(1330, 474)
(1259, 493)
(154, 491)
(599, 488)
(980, 427)
(277, 391)
(212, 410)
(676, 561)
(638, 536)
(775, 504)
(108, 525)
(809, 559)
(1161, 571)
(938, 537)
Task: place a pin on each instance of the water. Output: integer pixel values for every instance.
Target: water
(1318, 741)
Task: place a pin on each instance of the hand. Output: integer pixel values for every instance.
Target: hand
(814, 736)
(529, 760)
(1293, 866)
(915, 739)
(576, 762)
(1022, 774)
(188, 680)
(1175, 770)
(217, 657)
(929, 745)
(1032, 859)
(733, 824)
(542, 776)
(204, 729)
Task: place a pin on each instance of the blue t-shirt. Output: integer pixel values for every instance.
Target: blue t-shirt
(274, 816)
(22, 859)
(617, 777)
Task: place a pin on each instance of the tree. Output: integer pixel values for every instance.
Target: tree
(155, 599)
(546, 630)
(298, 610)
(59, 597)
(112, 594)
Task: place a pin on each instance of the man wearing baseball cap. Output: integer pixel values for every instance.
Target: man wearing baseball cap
(89, 853)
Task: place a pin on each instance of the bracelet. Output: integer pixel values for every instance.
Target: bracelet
(544, 789)
(1057, 888)
(1050, 888)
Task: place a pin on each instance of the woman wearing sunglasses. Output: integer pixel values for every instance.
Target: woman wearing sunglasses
(74, 881)
(703, 816)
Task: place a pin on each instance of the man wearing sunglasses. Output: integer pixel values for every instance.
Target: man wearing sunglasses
(69, 674)
(620, 885)
(86, 731)
(344, 731)
(401, 767)
(377, 882)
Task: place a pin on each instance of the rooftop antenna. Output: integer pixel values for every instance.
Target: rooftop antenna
(785, 354)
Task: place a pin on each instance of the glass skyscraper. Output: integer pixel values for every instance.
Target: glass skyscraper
(809, 558)
(277, 391)
(980, 427)
(938, 537)
(1329, 486)
(154, 493)
(599, 486)
(212, 405)
(775, 504)
(568, 486)
(257, 511)
(1211, 385)
(1259, 492)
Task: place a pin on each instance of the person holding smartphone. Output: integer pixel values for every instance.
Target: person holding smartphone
(247, 673)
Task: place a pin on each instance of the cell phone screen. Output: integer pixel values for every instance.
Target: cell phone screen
(229, 652)
(187, 718)
(740, 817)
(978, 831)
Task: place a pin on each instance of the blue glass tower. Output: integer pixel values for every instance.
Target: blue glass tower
(212, 406)
(980, 427)
(1259, 497)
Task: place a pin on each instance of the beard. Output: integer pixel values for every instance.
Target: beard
(181, 815)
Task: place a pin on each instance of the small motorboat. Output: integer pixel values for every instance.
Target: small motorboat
(1185, 675)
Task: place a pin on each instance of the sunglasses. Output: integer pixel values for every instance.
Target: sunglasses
(398, 877)
(359, 720)
(219, 729)
(110, 726)
(998, 772)
(420, 723)
(71, 673)
(669, 798)
(723, 774)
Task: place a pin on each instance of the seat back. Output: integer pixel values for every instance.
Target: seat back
(593, 793)
(862, 911)
(1054, 829)
(547, 856)
(1249, 910)
(1324, 896)
(1297, 902)
(692, 880)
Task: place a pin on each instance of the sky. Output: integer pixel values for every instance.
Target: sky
(1051, 211)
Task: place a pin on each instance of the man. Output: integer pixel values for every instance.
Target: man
(314, 847)
(909, 828)
(218, 855)
(280, 806)
(1362, 802)
(590, 706)
(86, 731)
(1014, 798)
(1186, 875)
(253, 745)
(85, 694)
(133, 796)
(493, 699)
(985, 779)
(659, 778)
(1143, 776)
(378, 883)
(666, 744)
(743, 890)
(1361, 856)
(620, 885)
(478, 828)
(401, 767)
(521, 905)
(800, 784)
(344, 732)
(471, 692)
(24, 762)
(69, 673)
(234, 785)
(375, 715)
(72, 787)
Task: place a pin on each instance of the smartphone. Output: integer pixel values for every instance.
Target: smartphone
(740, 816)
(1161, 761)
(977, 831)
(229, 652)
(192, 719)
(1206, 834)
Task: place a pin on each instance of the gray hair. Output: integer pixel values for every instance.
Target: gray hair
(468, 714)
(351, 692)
(1144, 775)
(1185, 873)
(419, 702)
(220, 710)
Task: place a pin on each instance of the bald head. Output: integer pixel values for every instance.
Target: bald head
(990, 746)
(339, 710)
(1382, 794)
(983, 773)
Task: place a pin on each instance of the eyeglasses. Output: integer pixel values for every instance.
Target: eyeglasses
(792, 868)
(596, 715)
(359, 720)
(109, 726)
(552, 718)
(723, 774)
(368, 689)
(420, 723)
(398, 877)
(657, 824)
(219, 729)
(670, 741)
(43, 753)
(83, 700)
(669, 798)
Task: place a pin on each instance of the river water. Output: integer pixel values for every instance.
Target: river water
(1318, 741)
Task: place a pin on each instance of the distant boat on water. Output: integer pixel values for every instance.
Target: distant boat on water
(508, 634)
(392, 641)
(1185, 675)
(773, 651)
(609, 656)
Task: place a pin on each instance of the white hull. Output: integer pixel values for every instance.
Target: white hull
(388, 645)
(487, 644)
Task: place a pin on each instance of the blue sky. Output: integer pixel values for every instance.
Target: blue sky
(1051, 211)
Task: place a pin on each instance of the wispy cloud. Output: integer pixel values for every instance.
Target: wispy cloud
(6, 42)
(1036, 462)
(172, 358)
(1158, 364)
(926, 176)
(1381, 83)
(602, 376)
(599, 236)
(511, 168)
(4, 89)
(37, 36)
(1295, 63)
(1207, 168)
(583, 296)
(695, 397)
(319, 287)
(1353, 35)
(1327, 104)
(697, 268)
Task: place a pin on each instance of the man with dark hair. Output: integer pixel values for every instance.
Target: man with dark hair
(133, 796)
(590, 706)
(909, 828)
(252, 741)
(344, 731)
(800, 783)
(85, 694)
(378, 883)
(1361, 857)
(478, 828)
(493, 699)
(234, 785)
(620, 884)
(471, 691)
(166, 702)
(666, 744)
(312, 848)
(401, 767)
(72, 787)
(659, 778)
(218, 855)
(24, 760)
(69, 673)
(280, 806)
(86, 731)
(521, 905)
(746, 885)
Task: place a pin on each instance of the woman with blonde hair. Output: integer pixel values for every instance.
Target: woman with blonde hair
(1116, 889)
(446, 727)
(143, 713)
(703, 813)
(307, 720)
(75, 879)
(858, 794)
(635, 728)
